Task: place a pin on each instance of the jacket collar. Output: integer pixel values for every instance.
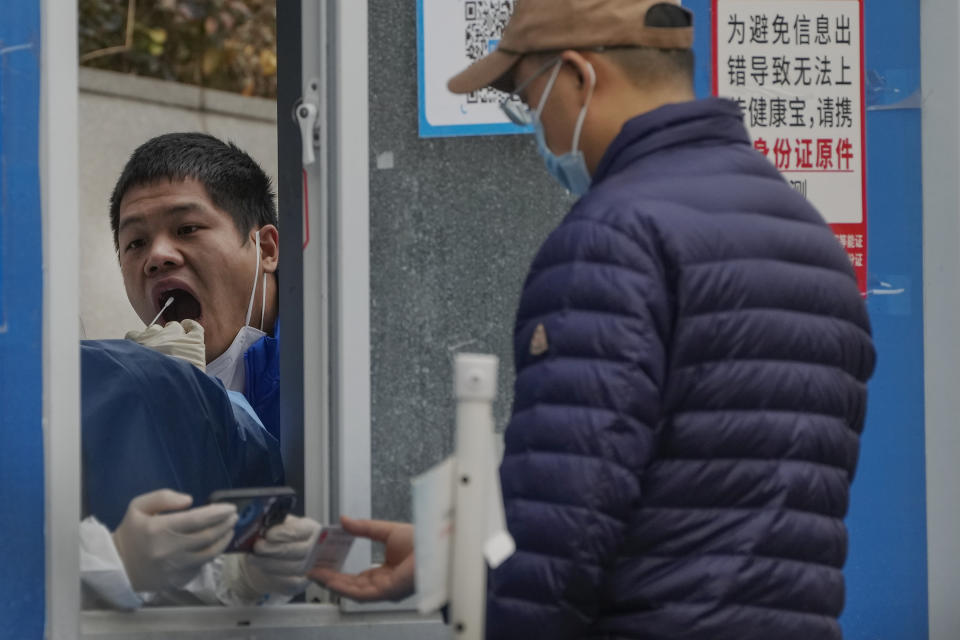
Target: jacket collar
(713, 120)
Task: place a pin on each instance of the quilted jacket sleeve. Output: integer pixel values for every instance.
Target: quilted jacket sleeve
(590, 345)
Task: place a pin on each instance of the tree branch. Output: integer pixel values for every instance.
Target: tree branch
(128, 43)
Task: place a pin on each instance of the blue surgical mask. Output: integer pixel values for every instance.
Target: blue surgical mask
(569, 169)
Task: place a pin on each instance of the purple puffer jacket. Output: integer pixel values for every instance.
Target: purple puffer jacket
(692, 354)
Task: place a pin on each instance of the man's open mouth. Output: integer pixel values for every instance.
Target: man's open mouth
(183, 307)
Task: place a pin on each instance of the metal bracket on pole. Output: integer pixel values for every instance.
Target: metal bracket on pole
(307, 116)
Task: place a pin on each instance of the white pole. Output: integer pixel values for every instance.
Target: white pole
(475, 381)
(59, 184)
(349, 155)
(940, 20)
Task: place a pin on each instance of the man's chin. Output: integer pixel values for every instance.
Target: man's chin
(213, 353)
(214, 347)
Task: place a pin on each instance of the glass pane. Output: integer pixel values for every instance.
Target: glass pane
(454, 225)
(136, 84)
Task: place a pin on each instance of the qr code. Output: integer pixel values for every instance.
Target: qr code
(486, 20)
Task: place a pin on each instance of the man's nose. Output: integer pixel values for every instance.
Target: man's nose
(163, 255)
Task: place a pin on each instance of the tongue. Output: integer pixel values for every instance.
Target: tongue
(184, 307)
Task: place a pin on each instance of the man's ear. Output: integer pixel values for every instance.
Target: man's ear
(269, 248)
(586, 72)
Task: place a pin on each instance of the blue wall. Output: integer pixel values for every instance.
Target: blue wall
(21, 291)
(886, 570)
(887, 565)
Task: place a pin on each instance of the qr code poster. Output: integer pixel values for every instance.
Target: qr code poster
(451, 35)
(796, 69)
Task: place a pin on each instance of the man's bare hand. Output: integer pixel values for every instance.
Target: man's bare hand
(393, 580)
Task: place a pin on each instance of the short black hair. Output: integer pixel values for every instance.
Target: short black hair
(648, 65)
(233, 180)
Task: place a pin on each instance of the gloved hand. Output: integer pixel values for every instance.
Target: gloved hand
(165, 550)
(180, 340)
(276, 565)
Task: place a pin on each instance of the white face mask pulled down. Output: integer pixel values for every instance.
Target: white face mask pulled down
(229, 366)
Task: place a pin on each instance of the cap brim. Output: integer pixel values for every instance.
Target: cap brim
(490, 71)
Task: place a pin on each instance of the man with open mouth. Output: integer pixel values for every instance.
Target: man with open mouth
(195, 227)
(194, 221)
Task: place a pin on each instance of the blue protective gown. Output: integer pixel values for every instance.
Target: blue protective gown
(151, 422)
(262, 386)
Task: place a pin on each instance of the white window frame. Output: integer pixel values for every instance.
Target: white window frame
(59, 180)
(350, 256)
(338, 288)
(940, 52)
(317, 319)
(342, 356)
(349, 341)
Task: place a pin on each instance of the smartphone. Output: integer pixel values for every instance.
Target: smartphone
(258, 509)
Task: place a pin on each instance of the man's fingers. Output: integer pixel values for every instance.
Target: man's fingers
(322, 575)
(378, 530)
(357, 588)
(372, 584)
(211, 515)
(342, 583)
(160, 501)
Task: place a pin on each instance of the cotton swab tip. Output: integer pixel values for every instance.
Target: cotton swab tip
(162, 309)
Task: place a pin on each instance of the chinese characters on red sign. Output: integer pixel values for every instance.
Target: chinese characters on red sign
(795, 68)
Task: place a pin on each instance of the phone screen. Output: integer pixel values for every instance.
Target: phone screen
(257, 511)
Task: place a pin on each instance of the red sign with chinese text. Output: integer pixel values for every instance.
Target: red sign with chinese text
(796, 69)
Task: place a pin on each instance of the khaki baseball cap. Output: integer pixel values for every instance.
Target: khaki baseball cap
(557, 25)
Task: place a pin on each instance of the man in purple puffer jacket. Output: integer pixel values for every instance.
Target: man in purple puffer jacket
(691, 348)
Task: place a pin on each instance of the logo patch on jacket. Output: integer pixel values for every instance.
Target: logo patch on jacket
(539, 344)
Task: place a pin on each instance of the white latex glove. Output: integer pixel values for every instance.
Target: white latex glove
(180, 340)
(163, 550)
(276, 565)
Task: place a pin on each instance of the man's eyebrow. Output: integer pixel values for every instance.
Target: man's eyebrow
(178, 209)
(129, 220)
